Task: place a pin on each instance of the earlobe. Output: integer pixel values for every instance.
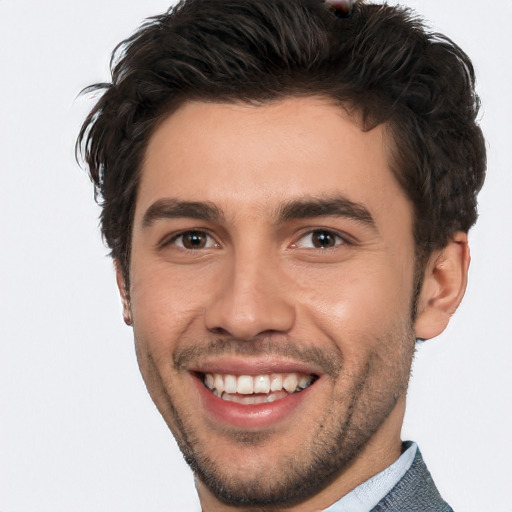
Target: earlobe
(124, 293)
(444, 285)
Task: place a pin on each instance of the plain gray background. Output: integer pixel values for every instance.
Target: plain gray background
(78, 432)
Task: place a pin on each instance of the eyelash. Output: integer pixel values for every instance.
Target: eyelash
(339, 239)
(199, 232)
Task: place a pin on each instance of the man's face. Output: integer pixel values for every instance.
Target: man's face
(272, 251)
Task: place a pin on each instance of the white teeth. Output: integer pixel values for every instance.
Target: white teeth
(262, 384)
(245, 385)
(304, 381)
(209, 381)
(257, 398)
(290, 382)
(275, 384)
(218, 383)
(230, 384)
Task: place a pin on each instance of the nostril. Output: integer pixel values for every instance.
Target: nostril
(219, 331)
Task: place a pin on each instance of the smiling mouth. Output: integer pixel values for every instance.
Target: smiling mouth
(256, 389)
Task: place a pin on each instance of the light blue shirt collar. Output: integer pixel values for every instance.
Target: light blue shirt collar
(365, 496)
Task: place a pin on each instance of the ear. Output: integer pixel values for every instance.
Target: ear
(124, 292)
(444, 284)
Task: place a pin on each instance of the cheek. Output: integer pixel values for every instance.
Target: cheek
(360, 301)
(163, 307)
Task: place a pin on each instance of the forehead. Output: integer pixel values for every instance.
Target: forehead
(252, 158)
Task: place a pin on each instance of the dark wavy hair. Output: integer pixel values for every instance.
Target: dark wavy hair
(379, 62)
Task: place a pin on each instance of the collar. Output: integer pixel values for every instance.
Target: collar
(365, 496)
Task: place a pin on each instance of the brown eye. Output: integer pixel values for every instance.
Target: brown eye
(323, 239)
(194, 240)
(320, 239)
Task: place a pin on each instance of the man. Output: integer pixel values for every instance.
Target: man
(287, 188)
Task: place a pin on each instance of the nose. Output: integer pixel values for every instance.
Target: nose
(253, 298)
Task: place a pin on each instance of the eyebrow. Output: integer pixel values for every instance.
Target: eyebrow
(338, 206)
(175, 208)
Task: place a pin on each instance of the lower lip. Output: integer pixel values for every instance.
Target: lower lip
(250, 416)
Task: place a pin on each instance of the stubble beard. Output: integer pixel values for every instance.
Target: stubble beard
(343, 434)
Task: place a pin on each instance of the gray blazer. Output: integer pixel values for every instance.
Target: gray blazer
(415, 492)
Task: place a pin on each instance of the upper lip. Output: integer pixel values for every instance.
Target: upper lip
(234, 365)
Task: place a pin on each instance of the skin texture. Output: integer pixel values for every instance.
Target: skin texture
(256, 291)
